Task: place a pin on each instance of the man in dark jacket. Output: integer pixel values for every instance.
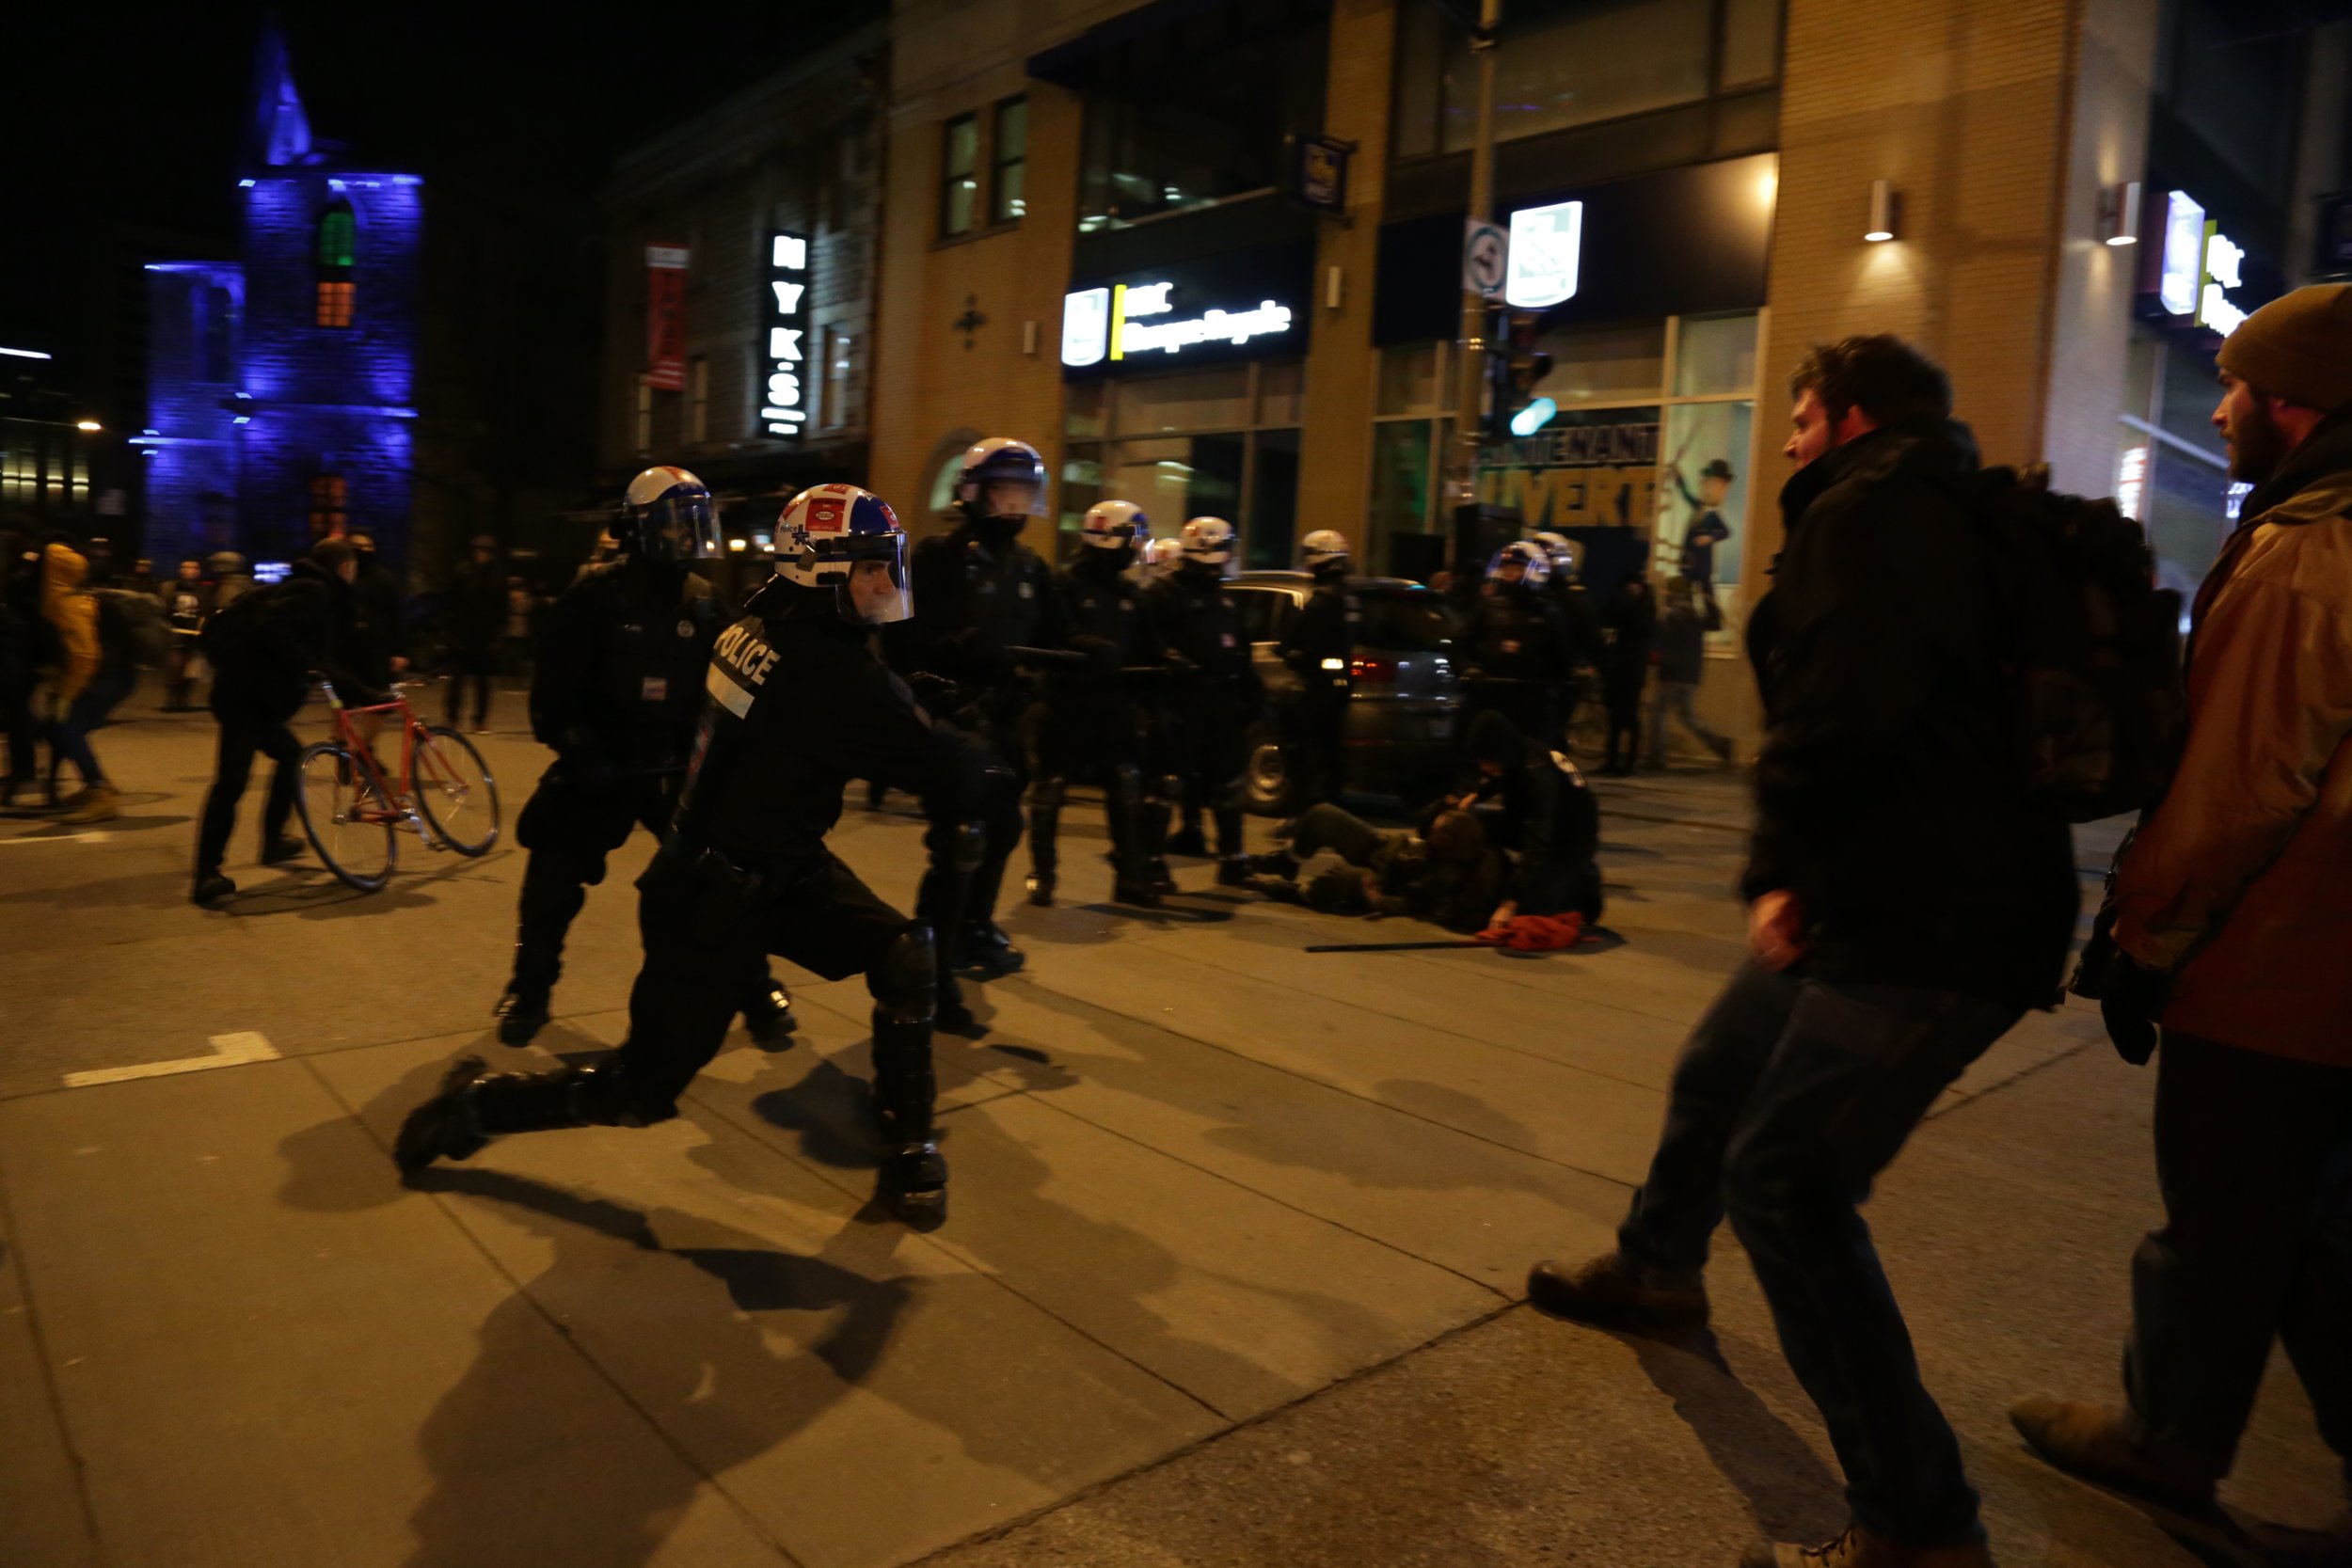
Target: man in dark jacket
(1908, 903)
(1631, 624)
(1514, 647)
(1213, 691)
(477, 619)
(263, 650)
(1535, 805)
(380, 645)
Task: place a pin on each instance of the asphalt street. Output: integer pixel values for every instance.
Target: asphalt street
(1233, 1273)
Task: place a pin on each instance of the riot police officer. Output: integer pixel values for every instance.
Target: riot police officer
(796, 708)
(618, 683)
(1213, 690)
(1513, 646)
(1088, 719)
(1318, 648)
(1579, 621)
(984, 594)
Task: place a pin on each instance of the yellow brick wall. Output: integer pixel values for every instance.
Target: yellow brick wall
(1335, 467)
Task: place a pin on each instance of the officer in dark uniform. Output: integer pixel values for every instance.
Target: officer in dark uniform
(1579, 620)
(798, 707)
(1213, 691)
(1321, 642)
(1515, 648)
(616, 693)
(983, 593)
(1089, 720)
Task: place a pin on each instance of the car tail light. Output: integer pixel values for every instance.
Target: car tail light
(1372, 670)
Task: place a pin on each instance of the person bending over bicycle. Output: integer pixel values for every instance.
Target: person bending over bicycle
(263, 649)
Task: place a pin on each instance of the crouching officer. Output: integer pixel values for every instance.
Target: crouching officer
(1214, 691)
(796, 708)
(1087, 719)
(616, 693)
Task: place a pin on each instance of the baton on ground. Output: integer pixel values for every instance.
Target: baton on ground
(1395, 946)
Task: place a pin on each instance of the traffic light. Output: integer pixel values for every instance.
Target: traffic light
(1520, 368)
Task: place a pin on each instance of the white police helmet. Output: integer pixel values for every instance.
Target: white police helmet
(1323, 546)
(1002, 478)
(667, 515)
(827, 532)
(1114, 525)
(1564, 554)
(1161, 555)
(1209, 540)
(1525, 553)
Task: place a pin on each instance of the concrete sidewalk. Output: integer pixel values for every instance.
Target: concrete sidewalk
(1232, 1275)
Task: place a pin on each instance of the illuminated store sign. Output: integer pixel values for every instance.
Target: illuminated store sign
(1547, 244)
(2131, 481)
(1130, 319)
(2200, 266)
(2222, 260)
(786, 410)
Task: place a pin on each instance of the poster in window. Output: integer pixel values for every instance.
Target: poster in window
(1703, 504)
(1592, 475)
(666, 317)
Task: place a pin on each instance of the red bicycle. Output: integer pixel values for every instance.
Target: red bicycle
(353, 808)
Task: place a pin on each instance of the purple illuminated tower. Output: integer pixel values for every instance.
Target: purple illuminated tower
(282, 385)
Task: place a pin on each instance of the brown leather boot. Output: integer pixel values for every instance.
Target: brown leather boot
(2095, 1443)
(1609, 1290)
(1861, 1548)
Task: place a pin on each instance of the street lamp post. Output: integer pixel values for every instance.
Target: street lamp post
(1470, 367)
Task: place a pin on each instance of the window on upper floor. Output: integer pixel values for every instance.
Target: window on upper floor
(335, 257)
(958, 176)
(330, 506)
(1197, 111)
(1009, 154)
(1564, 63)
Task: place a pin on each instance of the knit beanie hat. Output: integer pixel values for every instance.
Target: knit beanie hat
(2297, 347)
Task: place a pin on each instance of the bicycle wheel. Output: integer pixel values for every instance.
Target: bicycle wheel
(455, 790)
(343, 813)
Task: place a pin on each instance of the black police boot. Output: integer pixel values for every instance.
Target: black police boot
(475, 1105)
(1153, 850)
(444, 1127)
(1044, 824)
(988, 952)
(1233, 871)
(212, 887)
(521, 1010)
(914, 1180)
(768, 1016)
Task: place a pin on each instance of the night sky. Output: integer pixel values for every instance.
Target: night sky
(126, 121)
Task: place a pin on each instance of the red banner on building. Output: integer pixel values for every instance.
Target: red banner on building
(666, 317)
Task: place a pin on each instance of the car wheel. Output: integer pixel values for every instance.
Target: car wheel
(1267, 782)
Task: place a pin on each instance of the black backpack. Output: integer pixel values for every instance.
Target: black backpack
(130, 627)
(2089, 646)
(238, 627)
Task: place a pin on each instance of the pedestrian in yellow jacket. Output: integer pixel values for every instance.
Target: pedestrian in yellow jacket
(85, 693)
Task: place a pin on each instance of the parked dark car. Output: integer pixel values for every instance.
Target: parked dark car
(1400, 712)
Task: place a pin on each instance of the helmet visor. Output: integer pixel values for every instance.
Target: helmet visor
(1010, 497)
(873, 584)
(679, 527)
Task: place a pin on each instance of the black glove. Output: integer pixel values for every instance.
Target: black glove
(2131, 999)
(1100, 652)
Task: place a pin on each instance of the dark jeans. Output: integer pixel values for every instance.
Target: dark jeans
(240, 739)
(70, 740)
(1329, 827)
(2254, 1156)
(1790, 1097)
(1624, 701)
(477, 665)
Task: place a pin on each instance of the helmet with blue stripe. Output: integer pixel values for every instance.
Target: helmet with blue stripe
(829, 533)
(667, 516)
(1002, 478)
(1114, 525)
(1532, 560)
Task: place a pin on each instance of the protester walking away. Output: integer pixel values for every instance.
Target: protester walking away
(1579, 620)
(1631, 624)
(380, 646)
(187, 601)
(90, 680)
(798, 708)
(1088, 722)
(1213, 692)
(1535, 805)
(1317, 648)
(265, 650)
(985, 595)
(1910, 897)
(476, 620)
(617, 695)
(2226, 926)
(1681, 665)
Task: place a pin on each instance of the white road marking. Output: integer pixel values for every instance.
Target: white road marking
(235, 1049)
(94, 837)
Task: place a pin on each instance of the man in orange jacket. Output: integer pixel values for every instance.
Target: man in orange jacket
(2233, 921)
(86, 692)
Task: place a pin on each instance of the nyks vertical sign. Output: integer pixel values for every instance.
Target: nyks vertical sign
(786, 410)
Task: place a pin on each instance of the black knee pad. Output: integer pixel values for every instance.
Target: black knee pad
(968, 847)
(905, 982)
(1168, 789)
(1047, 794)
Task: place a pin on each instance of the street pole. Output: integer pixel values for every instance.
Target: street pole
(1471, 369)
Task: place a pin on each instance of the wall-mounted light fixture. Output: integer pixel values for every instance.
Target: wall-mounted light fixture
(1028, 339)
(1884, 206)
(2118, 214)
(1334, 288)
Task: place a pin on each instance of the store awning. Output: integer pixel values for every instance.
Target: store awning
(1072, 63)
